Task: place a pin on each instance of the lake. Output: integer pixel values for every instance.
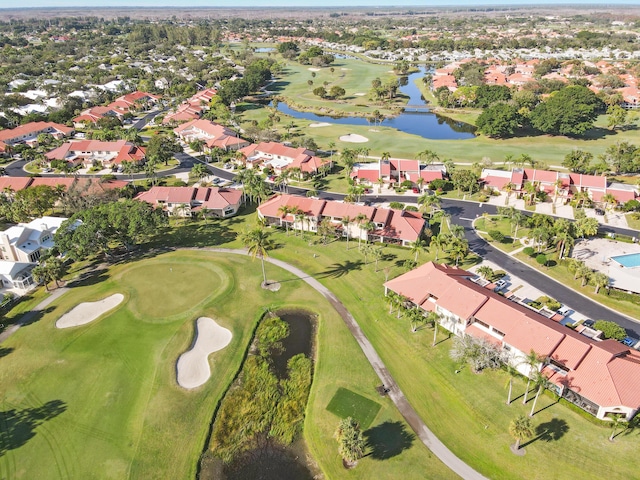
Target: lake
(423, 122)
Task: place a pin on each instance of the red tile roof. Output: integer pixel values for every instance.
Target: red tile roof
(32, 128)
(14, 183)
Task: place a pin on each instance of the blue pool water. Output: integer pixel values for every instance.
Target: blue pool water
(630, 260)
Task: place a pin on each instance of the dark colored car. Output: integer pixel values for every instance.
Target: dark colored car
(588, 323)
(599, 211)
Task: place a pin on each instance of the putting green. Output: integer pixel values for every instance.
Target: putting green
(165, 288)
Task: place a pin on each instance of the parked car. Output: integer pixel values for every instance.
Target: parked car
(630, 341)
(599, 211)
(588, 323)
(415, 190)
(500, 284)
(564, 311)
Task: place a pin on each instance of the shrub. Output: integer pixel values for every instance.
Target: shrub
(407, 184)
(441, 184)
(610, 329)
(528, 251)
(411, 208)
(541, 259)
(396, 205)
(483, 198)
(496, 235)
(550, 303)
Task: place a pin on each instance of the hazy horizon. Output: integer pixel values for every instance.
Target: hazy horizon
(302, 3)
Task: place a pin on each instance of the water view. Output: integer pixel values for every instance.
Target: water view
(422, 122)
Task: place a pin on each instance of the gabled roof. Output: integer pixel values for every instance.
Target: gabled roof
(32, 128)
(14, 183)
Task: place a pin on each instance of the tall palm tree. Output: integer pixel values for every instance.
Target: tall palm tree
(285, 210)
(359, 219)
(258, 244)
(543, 383)
(346, 222)
(520, 428)
(512, 372)
(428, 201)
(600, 280)
(418, 247)
(532, 360)
(351, 443)
(609, 200)
(377, 253)
(485, 272)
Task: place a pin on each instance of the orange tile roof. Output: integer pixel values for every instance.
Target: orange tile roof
(14, 183)
(32, 128)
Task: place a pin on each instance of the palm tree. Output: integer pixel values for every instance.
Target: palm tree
(416, 317)
(368, 227)
(532, 360)
(417, 247)
(361, 217)
(380, 183)
(348, 158)
(609, 199)
(285, 210)
(531, 189)
(346, 222)
(520, 428)
(377, 253)
(584, 273)
(258, 244)
(434, 318)
(616, 421)
(509, 188)
(199, 171)
(485, 272)
(331, 146)
(351, 443)
(517, 220)
(391, 299)
(438, 242)
(428, 201)
(600, 280)
(459, 248)
(543, 383)
(512, 373)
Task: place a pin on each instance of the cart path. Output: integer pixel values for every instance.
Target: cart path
(427, 437)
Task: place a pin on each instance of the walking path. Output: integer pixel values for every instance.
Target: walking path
(28, 317)
(427, 437)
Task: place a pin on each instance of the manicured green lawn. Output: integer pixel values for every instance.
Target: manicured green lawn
(101, 401)
(346, 403)
(545, 149)
(467, 411)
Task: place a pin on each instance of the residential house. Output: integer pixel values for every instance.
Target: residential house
(563, 185)
(94, 152)
(185, 201)
(598, 376)
(26, 242)
(213, 134)
(397, 170)
(16, 275)
(91, 115)
(281, 157)
(376, 224)
(28, 133)
(191, 109)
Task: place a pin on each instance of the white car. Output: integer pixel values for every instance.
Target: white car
(500, 284)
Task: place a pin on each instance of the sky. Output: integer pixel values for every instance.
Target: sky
(292, 3)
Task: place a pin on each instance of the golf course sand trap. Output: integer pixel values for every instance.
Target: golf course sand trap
(354, 138)
(87, 312)
(320, 124)
(359, 94)
(193, 365)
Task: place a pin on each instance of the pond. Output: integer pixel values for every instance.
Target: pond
(422, 122)
(269, 460)
(300, 339)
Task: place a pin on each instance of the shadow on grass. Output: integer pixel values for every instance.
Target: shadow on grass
(91, 277)
(338, 270)
(17, 427)
(388, 440)
(5, 351)
(34, 316)
(550, 431)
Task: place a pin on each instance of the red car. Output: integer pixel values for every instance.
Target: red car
(415, 190)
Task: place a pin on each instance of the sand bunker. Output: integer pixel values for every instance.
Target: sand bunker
(321, 124)
(359, 94)
(354, 138)
(193, 365)
(87, 312)
(313, 69)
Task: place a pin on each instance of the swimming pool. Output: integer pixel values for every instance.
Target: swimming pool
(630, 260)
